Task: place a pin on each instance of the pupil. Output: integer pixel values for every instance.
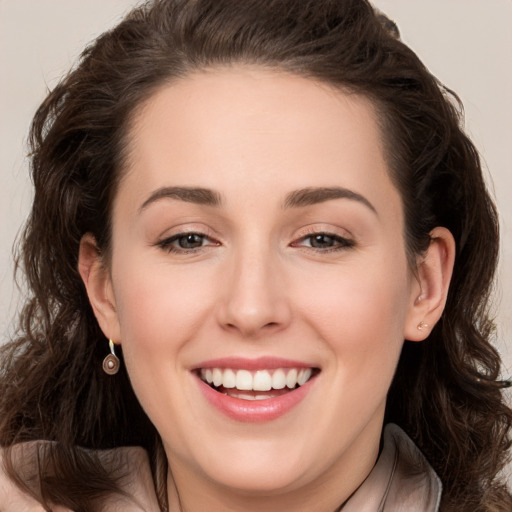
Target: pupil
(190, 241)
(322, 241)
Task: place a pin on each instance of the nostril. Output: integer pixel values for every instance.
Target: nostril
(252, 328)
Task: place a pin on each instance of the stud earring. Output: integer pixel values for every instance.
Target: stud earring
(422, 325)
(111, 363)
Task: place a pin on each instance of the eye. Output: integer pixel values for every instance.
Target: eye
(190, 241)
(186, 242)
(324, 242)
(321, 241)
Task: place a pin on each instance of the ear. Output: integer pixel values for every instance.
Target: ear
(98, 284)
(429, 293)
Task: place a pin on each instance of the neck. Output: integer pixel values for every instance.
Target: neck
(240, 502)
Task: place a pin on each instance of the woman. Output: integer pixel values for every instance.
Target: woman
(242, 210)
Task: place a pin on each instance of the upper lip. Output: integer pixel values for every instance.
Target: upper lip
(260, 363)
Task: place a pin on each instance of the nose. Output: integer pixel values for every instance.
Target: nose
(254, 301)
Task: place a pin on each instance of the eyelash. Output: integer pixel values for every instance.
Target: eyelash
(339, 243)
(167, 243)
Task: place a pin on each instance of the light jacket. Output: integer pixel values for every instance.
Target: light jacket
(401, 481)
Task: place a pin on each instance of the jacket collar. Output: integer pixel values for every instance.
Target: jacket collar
(401, 480)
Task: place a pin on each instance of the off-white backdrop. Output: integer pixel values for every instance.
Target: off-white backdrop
(467, 44)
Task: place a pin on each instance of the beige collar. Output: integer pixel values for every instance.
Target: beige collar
(402, 480)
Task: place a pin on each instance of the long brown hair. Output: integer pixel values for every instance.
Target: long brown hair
(51, 383)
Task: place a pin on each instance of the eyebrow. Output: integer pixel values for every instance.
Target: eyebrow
(197, 195)
(310, 196)
(296, 199)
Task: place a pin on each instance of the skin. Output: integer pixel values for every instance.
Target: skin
(257, 287)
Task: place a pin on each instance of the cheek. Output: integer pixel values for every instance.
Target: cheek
(360, 314)
(158, 307)
(160, 311)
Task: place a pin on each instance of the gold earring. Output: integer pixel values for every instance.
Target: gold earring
(111, 363)
(422, 325)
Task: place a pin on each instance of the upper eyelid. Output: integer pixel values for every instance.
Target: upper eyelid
(301, 233)
(320, 230)
(188, 229)
(168, 242)
(325, 233)
(177, 236)
(341, 243)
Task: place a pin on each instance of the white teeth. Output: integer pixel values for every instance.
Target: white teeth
(279, 379)
(304, 376)
(229, 379)
(243, 380)
(217, 377)
(260, 380)
(246, 396)
(291, 378)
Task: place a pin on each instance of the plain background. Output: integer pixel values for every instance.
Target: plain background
(467, 44)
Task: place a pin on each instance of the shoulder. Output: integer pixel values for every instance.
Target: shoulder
(136, 482)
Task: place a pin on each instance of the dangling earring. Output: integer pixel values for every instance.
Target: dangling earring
(422, 325)
(111, 363)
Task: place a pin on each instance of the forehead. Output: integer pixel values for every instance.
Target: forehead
(222, 127)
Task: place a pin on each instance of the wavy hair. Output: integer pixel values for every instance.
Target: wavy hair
(444, 394)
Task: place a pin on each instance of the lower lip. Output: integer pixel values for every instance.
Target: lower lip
(254, 411)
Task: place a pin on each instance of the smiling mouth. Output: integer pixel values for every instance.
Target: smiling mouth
(256, 385)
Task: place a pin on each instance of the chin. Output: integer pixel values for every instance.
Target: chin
(267, 480)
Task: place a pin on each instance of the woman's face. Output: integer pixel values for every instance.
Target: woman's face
(258, 241)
